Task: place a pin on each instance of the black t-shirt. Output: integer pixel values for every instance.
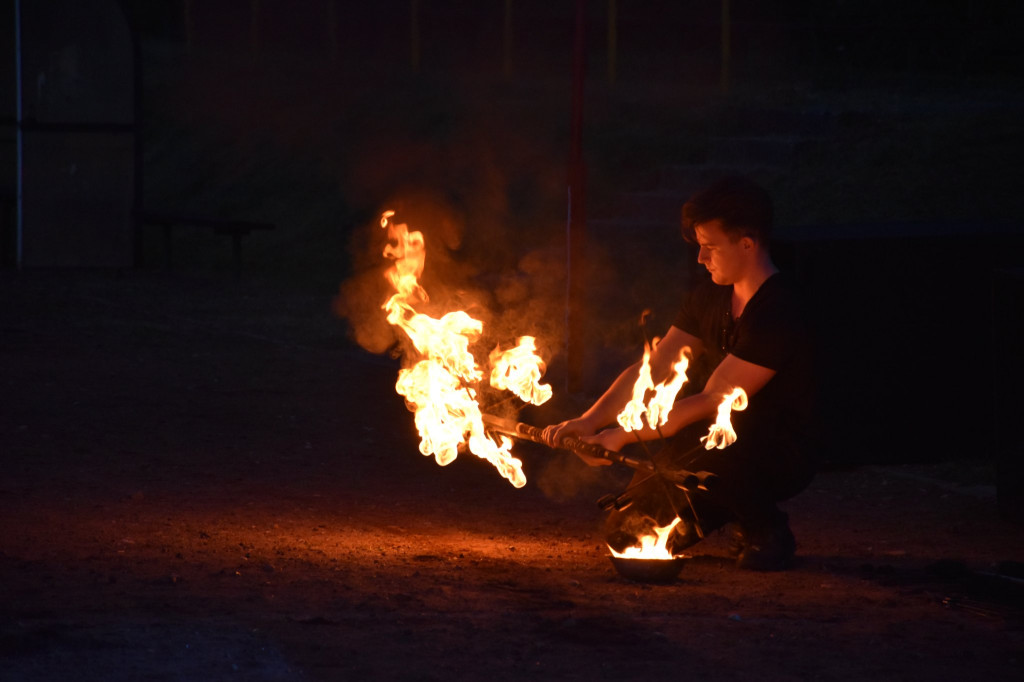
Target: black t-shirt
(772, 332)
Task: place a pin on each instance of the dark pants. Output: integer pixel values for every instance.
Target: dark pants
(753, 475)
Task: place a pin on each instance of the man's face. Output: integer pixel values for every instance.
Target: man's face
(726, 260)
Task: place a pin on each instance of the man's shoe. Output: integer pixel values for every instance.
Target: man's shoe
(769, 550)
(737, 540)
(683, 536)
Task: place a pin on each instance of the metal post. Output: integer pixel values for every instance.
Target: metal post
(186, 20)
(414, 35)
(138, 150)
(613, 40)
(332, 30)
(726, 45)
(577, 230)
(20, 134)
(254, 30)
(506, 53)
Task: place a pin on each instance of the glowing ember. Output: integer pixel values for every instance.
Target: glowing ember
(721, 435)
(440, 387)
(651, 546)
(519, 370)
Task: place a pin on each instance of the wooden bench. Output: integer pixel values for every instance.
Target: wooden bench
(236, 229)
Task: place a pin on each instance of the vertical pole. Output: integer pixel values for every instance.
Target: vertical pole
(414, 35)
(506, 52)
(332, 31)
(254, 30)
(613, 40)
(138, 150)
(186, 20)
(19, 199)
(726, 45)
(576, 237)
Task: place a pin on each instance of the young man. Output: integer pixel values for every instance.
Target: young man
(744, 328)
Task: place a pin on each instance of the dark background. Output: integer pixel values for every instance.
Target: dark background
(205, 472)
(888, 133)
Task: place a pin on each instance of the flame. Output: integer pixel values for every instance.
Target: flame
(665, 393)
(409, 254)
(721, 435)
(653, 546)
(631, 417)
(519, 370)
(440, 387)
(660, 404)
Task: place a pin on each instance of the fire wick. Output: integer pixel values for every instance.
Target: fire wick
(643, 445)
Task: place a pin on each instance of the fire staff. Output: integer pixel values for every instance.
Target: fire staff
(745, 328)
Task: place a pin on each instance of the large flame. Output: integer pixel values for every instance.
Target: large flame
(663, 398)
(519, 370)
(441, 386)
(665, 393)
(631, 417)
(653, 546)
(721, 435)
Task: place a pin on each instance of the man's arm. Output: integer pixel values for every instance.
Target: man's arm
(732, 372)
(604, 411)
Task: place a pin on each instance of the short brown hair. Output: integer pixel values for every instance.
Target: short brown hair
(743, 206)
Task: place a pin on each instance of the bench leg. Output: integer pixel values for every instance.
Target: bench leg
(168, 248)
(236, 252)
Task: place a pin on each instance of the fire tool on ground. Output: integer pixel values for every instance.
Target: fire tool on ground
(440, 383)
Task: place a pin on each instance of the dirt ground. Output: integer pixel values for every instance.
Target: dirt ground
(203, 480)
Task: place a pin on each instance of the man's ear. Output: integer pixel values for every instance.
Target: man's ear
(747, 243)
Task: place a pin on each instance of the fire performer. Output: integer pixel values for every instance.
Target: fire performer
(744, 328)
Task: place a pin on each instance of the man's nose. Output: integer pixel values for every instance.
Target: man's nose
(701, 255)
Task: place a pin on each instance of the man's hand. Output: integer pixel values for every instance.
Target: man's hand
(573, 428)
(610, 439)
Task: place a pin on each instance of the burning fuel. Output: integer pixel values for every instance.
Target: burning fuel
(519, 370)
(721, 435)
(652, 546)
(441, 383)
(665, 392)
(664, 396)
(631, 417)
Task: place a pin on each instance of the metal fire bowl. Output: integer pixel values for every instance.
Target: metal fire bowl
(648, 570)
